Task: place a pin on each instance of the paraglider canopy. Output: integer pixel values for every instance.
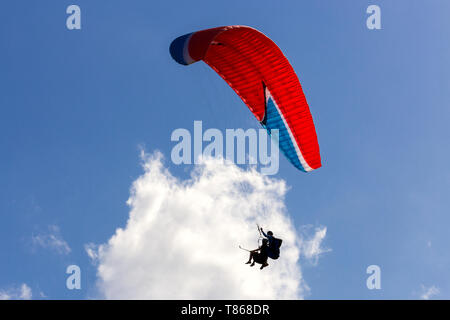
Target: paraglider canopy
(260, 74)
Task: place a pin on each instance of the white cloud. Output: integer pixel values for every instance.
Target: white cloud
(428, 293)
(311, 245)
(21, 293)
(181, 239)
(92, 252)
(51, 240)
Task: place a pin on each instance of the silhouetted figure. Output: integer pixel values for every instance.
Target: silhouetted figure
(273, 250)
(259, 257)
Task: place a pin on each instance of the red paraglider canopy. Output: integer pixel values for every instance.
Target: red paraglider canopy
(260, 74)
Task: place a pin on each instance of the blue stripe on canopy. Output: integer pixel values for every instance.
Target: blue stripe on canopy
(273, 120)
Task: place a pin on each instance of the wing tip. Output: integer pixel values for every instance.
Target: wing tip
(178, 49)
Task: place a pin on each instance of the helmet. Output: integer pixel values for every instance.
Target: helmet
(270, 233)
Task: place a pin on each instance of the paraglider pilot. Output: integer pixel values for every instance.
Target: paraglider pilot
(259, 257)
(273, 250)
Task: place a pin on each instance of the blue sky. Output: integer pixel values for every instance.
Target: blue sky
(76, 106)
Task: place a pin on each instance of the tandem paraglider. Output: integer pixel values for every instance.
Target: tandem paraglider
(269, 248)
